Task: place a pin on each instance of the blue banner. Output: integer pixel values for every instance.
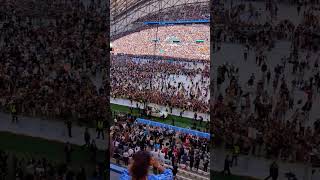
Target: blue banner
(116, 168)
(199, 21)
(175, 128)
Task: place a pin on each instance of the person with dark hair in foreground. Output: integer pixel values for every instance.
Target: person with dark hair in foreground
(139, 167)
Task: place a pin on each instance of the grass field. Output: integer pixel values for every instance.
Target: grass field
(27, 147)
(179, 121)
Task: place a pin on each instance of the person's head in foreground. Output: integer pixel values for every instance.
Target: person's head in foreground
(138, 168)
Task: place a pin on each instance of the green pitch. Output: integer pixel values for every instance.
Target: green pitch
(178, 121)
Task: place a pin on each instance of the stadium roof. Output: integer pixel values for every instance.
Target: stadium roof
(124, 13)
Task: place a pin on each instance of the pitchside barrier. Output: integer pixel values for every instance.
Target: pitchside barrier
(115, 171)
(199, 21)
(116, 168)
(175, 128)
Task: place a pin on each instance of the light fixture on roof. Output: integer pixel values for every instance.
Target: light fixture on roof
(111, 47)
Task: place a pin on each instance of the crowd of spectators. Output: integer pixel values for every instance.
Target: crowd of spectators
(169, 147)
(195, 11)
(167, 65)
(29, 168)
(49, 52)
(177, 41)
(265, 115)
(175, 84)
(3, 165)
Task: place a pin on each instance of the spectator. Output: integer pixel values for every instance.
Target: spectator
(226, 169)
(93, 149)
(87, 138)
(69, 127)
(68, 152)
(100, 128)
(138, 169)
(81, 175)
(274, 171)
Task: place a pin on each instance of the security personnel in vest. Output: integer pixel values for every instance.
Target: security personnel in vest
(235, 154)
(100, 129)
(14, 114)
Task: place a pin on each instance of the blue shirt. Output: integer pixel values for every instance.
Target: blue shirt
(165, 175)
(157, 146)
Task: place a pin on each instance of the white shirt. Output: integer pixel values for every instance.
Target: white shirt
(137, 149)
(130, 151)
(161, 157)
(116, 144)
(125, 154)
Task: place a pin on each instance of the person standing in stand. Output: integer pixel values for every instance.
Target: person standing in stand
(81, 175)
(100, 129)
(197, 161)
(205, 164)
(13, 110)
(273, 171)
(235, 154)
(175, 171)
(69, 127)
(93, 149)
(226, 168)
(87, 138)
(191, 161)
(68, 150)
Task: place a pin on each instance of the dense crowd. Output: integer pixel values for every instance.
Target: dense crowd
(29, 168)
(172, 12)
(175, 41)
(175, 84)
(49, 54)
(269, 113)
(3, 165)
(169, 147)
(167, 65)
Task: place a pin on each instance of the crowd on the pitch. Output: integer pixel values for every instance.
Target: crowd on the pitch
(264, 114)
(169, 147)
(174, 84)
(49, 53)
(159, 80)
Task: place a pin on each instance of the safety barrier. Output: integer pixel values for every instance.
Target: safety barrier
(116, 168)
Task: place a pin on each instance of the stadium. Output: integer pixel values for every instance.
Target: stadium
(265, 89)
(53, 116)
(159, 81)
